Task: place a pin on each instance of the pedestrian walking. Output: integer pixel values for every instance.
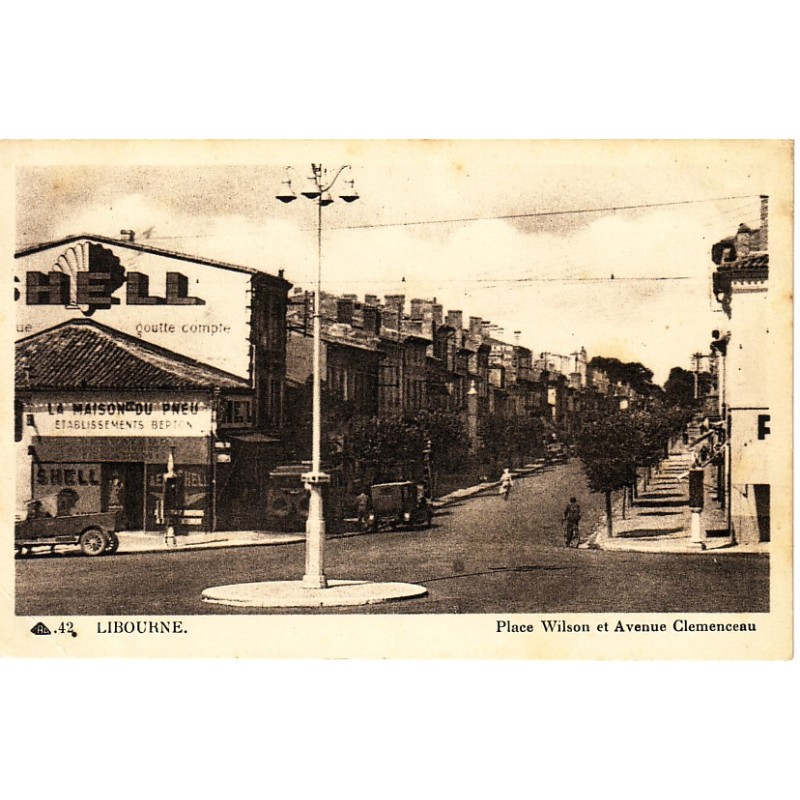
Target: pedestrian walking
(363, 506)
(506, 482)
(572, 518)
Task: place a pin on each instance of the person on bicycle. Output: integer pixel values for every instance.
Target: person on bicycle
(506, 482)
(572, 516)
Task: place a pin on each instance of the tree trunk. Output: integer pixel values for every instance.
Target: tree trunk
(624, 498)
(609, 523)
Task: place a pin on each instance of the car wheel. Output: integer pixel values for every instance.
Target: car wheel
(93, 542)
(113, 543)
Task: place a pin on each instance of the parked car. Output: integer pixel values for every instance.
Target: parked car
(396, 505)
(95, 533)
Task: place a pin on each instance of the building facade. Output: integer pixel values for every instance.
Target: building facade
(172, 311)
(741, 283)
(100, 415)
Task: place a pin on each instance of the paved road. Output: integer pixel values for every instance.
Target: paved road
(482, 555)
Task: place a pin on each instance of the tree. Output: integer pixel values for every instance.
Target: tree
(377, 448)
(606, 445)
(632, 373)
(679, 388)
(510, 438)
(446, 432)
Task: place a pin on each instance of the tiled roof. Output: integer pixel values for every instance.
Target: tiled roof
(753, 261)
(83, 354)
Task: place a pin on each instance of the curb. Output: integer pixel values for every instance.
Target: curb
(158, 546)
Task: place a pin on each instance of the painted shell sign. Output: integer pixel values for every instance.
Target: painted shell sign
(137, 289)
(86, 276)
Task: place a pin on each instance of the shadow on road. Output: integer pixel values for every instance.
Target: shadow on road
(660, 503)
(658, 513)
(491, 571)
(641, 533)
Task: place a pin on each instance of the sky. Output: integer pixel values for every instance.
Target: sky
(426, 225)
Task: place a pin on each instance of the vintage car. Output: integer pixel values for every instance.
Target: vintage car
(95, 533)
(396, 505)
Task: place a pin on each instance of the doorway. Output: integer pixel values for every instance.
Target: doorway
(123, 487)
(762, 494)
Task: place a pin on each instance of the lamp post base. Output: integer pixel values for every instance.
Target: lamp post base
(295, 594)
(697, 538)
(314, 577)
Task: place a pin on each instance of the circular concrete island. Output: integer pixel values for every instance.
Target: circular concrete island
(294, 594)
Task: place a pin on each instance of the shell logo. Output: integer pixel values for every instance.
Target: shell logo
(86, 276)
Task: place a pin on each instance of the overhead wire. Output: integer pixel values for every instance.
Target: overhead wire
(535, 214)
(524, 215)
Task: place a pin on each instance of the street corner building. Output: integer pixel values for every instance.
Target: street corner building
(131, 362)
(740, 284)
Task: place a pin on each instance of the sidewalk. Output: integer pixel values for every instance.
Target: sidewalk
(660, 520)
(140, 542)
(460, 494)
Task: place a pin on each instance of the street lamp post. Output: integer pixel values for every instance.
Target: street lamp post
(317, 189)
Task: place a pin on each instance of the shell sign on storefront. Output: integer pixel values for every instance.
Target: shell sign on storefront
(192, 306)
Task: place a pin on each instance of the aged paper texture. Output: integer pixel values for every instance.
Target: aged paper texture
(425, 399)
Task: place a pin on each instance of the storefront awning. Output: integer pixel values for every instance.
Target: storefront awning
(150, 450)
(251, 437)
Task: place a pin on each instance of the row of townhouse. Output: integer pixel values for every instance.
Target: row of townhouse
(131, 357)
(391, 358)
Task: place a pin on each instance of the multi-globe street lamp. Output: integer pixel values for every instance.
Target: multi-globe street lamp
(317, 188)
(314, 589)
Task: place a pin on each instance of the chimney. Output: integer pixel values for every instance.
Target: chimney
(391, 318)
(455, 319)
(417, 308)
(743, 242)
(372, 320)
(371, 300)
(344, 310)
(328, 306)
(430, 323)
(764, 243)
(396, 301)
(475, 326)
(437, 309)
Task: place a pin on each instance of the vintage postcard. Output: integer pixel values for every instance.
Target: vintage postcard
(397, 399)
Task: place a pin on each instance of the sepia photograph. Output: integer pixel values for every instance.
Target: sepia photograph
(542, 387)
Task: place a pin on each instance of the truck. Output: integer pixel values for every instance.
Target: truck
(94, 533)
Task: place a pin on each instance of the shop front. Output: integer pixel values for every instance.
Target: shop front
(84, 474)
(101, 419)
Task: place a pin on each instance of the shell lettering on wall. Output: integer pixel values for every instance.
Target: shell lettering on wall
(72, 261)
(83, 258)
